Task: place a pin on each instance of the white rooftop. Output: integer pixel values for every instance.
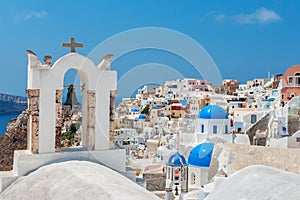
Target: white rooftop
(258, 182)
(75, 180)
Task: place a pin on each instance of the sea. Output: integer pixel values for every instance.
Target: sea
(3, 122)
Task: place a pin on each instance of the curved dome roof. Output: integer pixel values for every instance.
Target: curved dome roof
(201, 155)
(134, 110)
(142, 116)
(292, 70)
(212, 112)
(75, 180)
(282, 184)
(176, 159)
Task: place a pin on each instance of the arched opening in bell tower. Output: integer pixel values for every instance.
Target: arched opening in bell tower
(71, 116)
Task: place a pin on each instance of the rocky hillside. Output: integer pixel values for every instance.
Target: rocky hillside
(14, 139)
(10, 104)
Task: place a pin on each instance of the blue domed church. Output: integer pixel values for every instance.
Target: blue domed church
(199, 161)
(193, 173)
(176, 175)
(213, 125)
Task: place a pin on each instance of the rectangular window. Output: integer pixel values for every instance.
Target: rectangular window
(215, 129)
(226, 129)
(253, 119)
(202, 128)
(298, 139)
(297, 81)
(290, 80)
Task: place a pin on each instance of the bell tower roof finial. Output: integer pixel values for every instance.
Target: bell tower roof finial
(72, 45)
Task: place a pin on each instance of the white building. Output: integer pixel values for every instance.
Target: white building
(213, 124)
(147, 89)
(219, 99)
(235, 104)
(287, 141)
(199, 162)
(244, 118)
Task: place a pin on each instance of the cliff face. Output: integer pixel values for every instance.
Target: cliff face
(10, 104)
(15, 138)
(13, 99)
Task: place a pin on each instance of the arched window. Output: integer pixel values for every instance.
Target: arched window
(202, 128)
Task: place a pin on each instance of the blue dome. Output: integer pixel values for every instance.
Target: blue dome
(201, 155)
(177, 160)
(142, 117)
(154, 106)
(135, 110)
(212, 112)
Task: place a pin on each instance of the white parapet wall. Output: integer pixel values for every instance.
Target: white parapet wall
(26, 162)
(279, 143)
(6, 178)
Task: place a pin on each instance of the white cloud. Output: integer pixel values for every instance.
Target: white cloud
(220, 17)
(27, 15)
(260, 16)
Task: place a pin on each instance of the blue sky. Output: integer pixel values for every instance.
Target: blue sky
(246, 39)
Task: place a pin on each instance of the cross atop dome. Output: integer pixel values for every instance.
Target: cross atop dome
(72, 45)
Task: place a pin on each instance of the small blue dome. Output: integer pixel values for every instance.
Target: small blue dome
(134, 110)
(201, 155)
(212, 112)
(177, 160)
(142, 117)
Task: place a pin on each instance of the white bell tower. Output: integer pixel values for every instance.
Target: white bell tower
(176, 174)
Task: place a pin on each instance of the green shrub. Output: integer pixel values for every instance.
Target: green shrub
(68, 136)
(74, 127)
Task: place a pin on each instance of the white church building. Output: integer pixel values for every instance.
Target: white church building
(213, 125)
(199, 162)
(44, 91)
(188, 175)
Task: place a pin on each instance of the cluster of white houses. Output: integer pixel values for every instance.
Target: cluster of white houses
(184, 118)
(156, 109)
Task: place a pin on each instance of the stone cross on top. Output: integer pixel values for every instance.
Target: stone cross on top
(72, 45)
